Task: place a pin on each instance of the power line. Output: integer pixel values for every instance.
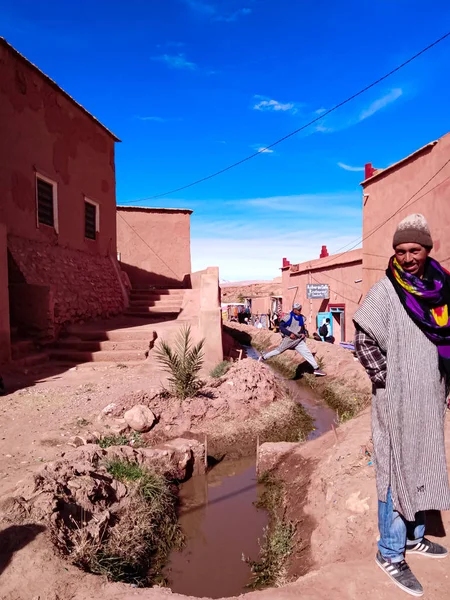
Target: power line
(337, 293)
(303, 127)
(148, 246)
(407, 203)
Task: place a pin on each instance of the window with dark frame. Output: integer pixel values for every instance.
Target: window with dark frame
(45, 202)
(90, 221)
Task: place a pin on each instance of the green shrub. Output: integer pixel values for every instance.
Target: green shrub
(220, 369)
(183, 364)
(278, 539)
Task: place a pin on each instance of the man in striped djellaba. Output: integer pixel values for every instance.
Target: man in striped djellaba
(403, 341)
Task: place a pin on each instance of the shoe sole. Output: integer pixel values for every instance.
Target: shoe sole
(320, 374)
(398, 584)
(426, 554)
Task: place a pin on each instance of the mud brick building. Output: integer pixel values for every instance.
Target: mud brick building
(335, 284)
(57, 207)
(154, 245)
(418, 183)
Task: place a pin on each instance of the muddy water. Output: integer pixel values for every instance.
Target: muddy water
(221, 524)
(324, 417)
(220, 520)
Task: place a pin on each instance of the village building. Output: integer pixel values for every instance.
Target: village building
(419, 183)
(58, 208)
(154, 245)
(328, 288)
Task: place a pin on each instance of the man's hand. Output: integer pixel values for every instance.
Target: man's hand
(293, 336)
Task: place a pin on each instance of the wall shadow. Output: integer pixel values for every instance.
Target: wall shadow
(14, 538)
(140, 277)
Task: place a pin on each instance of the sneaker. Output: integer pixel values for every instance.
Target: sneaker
(319, 373)
(401, 575)
(427, 548)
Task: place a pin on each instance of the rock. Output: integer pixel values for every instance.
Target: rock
(140, 418)
(356, 504)
(118, 426)
(108, 409)
(77, 441)
(92, 438)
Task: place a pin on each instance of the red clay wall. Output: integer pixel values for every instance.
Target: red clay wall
(43, 131)
(261, 306)
(388, 192)
(340, 276)
(154, 245)
(4, 300)
(83, 286)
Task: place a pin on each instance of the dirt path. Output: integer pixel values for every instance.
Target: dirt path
(338, 489)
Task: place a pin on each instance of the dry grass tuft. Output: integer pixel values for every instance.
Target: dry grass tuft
(277, 544)
(141, 534)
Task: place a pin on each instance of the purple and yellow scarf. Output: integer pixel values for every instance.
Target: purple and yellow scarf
(427, 303)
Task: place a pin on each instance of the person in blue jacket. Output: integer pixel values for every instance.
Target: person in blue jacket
(293, 333)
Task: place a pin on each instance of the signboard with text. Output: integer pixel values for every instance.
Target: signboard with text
(317, 290)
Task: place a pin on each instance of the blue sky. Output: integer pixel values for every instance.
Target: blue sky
(190, 86)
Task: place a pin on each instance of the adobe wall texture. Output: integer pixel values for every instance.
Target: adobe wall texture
(83, 286)
(154, 245)
(261, 306)
(5, 348)
(399, 186)
(44, 132)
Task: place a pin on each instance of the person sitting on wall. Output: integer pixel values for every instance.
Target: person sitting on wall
(293, 332)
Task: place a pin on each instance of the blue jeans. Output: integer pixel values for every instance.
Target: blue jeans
(396, 532)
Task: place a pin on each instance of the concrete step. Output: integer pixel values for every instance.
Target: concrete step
(156, 293)
(32, 360)
(159, 315)
(115, 356)
(96, 345)
(22, 348)
(133, 333)
(175, 303)
(154, 310)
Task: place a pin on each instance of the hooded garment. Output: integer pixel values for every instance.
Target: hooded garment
(408, 415)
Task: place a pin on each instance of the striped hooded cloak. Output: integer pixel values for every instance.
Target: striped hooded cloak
(408, 415)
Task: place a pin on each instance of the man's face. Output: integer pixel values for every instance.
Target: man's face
(297, 311)
(412, 257)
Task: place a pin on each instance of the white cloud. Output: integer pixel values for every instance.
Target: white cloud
(235, 15)
(171, 44)
(262, 248)
(382, 102)
(273, 105)
(176, 61)
(156, 119)
(321, 128)
(320, 111)
(262, 149)
(211, 10)
(201, 7)
(343, 205)
(349, 168)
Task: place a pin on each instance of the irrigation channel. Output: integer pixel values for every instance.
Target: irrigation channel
(220, 520)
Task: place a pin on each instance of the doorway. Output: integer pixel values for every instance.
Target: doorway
(338, 317)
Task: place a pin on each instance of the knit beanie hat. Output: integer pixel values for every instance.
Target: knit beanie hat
(413, 230)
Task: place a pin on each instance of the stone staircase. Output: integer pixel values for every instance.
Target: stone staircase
(124, 339)
(152, 314)
(146, 302)
(24, 353)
